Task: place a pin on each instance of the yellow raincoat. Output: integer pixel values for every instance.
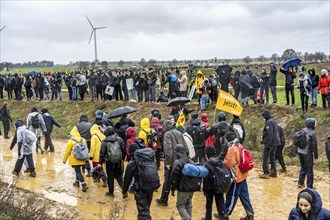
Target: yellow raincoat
(69, 148)
(199, 80)
(145, 125)
(96, 141)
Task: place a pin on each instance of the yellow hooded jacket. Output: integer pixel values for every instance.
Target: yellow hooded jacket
(96, 141)
(145, 125)
(199, 80)
(69, 148)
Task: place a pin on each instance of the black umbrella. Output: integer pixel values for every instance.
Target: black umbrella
(178, 101)
(121, 111)
(224, 68)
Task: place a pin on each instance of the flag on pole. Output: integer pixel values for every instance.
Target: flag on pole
(181, 120)
(227, 103)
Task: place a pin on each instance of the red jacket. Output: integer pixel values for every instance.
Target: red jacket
(324, 85)
(131, 138)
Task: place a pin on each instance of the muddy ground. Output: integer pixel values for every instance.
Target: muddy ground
(271, 199)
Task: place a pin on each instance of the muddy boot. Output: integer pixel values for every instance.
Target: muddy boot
(249, 216)
(104, 184)
(84, 187)
(96, 180)
(15, 173)
(264, 176)
(88, 173)
(33, 174)
(76, 184)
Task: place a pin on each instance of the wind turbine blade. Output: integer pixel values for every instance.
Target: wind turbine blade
(100, 28)
(3, 28)
(89, 21)
(90, 38)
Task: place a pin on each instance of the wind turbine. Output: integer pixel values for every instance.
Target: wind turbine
(90, 38)
(2, 28)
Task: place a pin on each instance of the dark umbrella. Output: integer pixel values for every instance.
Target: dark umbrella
(293, 63)
(178, 101)
(121, 111)
(224, 68)
(32, 73)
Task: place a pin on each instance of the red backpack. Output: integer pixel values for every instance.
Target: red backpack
(246, 160)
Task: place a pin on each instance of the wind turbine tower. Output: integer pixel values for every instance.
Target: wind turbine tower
(90, 38)
(2, 28)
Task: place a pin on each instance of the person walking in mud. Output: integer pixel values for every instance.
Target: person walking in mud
(73, 161)
(26, 140)
(6, 119)
(36, 124)
(49, 121)
(270, 140)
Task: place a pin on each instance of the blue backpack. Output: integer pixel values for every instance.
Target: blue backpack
(174, 78)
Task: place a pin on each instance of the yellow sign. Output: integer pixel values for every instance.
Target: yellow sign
(228, 103)
(181, 120)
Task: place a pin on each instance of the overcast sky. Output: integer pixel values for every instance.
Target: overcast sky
(161, 30)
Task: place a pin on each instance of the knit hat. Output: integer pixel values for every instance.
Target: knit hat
(83, 117)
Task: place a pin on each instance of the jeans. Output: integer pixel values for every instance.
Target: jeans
(19, 163)
(269, 151)
(240, 190)
(125, 91)
(273, 90)
(184, 205)
(289, 89)
(264, 88)
(133, 93)
(314, 96)
(79, 176)
(204, 100)
(304, 102)
(166, 185)
(325, 99)
(306, 168)
(220, 204)
(74, 93)
(152, 93)
(92, 90)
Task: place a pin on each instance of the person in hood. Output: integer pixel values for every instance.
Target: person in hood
(183, 83)
(26, 141)
(198, 81)
(315, 82)
(38, 127)
(147, 134)
(157, 127)
(309, 206)
(114, 169)
(184, 197)
(172, 137)
(209, 142)
(84, 130)
(212, 162)
(131, 139)
(289, 85)
(272, 82)
(323, 87)
(238, 125)
(162, 97)
(239, 187)
(76, 164)
(245, 85)
(270, 140)
(205, 90)
(100, 119)
(49, 122)
(304, 87)
(6, 119)
(198, 133)
(306, 155)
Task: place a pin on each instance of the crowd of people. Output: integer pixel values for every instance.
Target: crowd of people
(217, 148)
(148, 85)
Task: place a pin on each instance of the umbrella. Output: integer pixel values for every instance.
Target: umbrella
(32, 73)
(293, 63)
(225, 68)
(178, 101)
(121, 111)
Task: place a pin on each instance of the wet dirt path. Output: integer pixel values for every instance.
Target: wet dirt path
(271, 199)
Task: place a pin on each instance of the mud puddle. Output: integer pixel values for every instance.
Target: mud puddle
(271, 199)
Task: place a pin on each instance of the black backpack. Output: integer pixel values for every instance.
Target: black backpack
(147, 170)
(198, 135)
(188, 183)
(221, 179)
(300, 139)
(35, 121)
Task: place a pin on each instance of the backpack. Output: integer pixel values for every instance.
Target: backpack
(221, 179)
(246, 160)
(190, 182)
(35, 122)
(299, 139)
(239, 130)
(114, 152)
(140, 142)
(174, 78)
(151, 138)
(80, 150)
(30, 138)
(147, 170)
(193, 170)
(2, 113)
(190, 145)
(198, 135)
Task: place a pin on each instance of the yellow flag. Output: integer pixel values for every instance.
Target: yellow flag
(181, 120)
(228, 103)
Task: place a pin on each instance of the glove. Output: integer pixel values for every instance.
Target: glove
(172, 193)
(125, 195)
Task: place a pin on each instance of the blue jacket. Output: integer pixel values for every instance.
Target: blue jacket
(49, 122)
(317, 212)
